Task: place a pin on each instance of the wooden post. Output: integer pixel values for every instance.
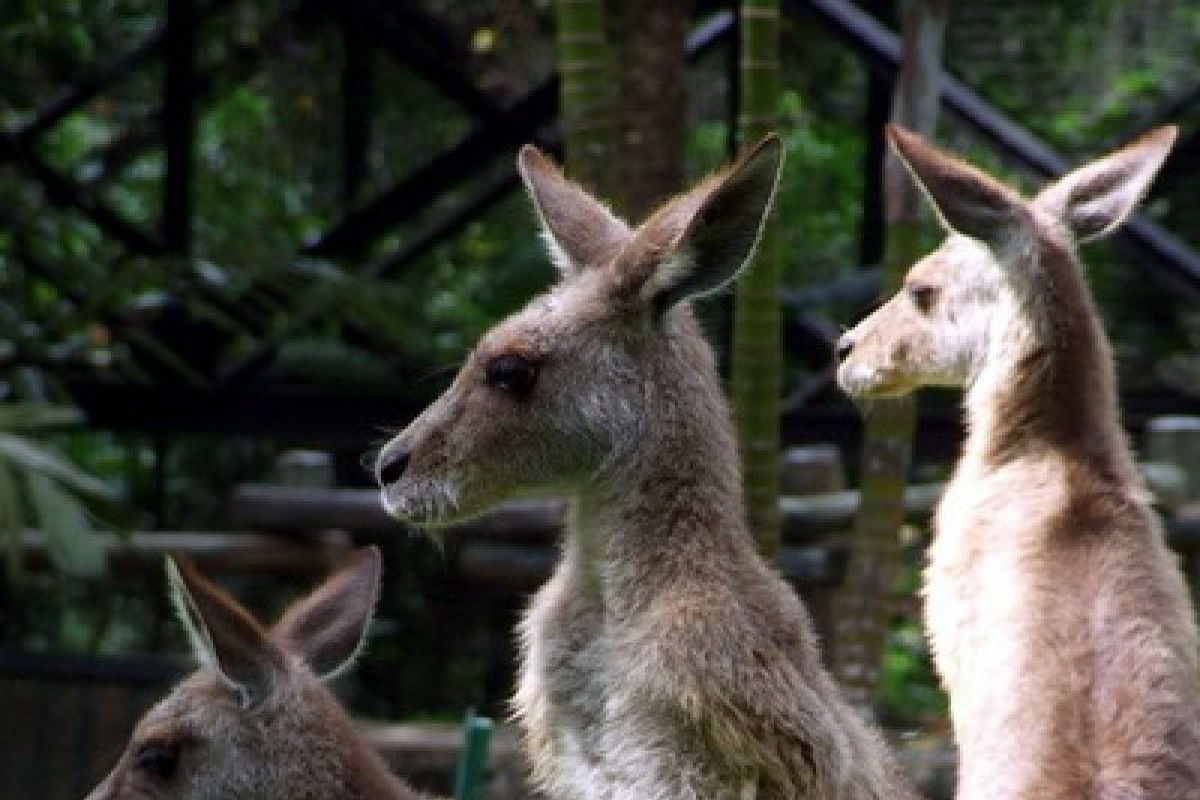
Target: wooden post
(757, 357)
(864, 608)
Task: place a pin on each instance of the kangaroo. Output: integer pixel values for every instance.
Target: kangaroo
(664, 660)
(1059, 621)
(255, 722)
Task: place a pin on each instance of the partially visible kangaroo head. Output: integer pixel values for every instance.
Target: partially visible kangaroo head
(559, 392)
(988, 295)
(255, 722)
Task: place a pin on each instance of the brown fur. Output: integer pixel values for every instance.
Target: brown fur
(255, 722)
(664, 660)
(1059, 620)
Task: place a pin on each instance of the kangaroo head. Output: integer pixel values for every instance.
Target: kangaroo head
(254, 722)
(559, 392)
(982, 295)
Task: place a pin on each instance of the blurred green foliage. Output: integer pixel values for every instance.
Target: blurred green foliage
(1083, 74)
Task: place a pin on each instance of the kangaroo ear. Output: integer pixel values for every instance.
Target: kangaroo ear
(328, 628)
(965, 199)
(579, 230)
(1096, 198)
(223, 634)
(698, 242)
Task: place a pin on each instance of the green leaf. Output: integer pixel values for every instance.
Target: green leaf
(37, 416)
(26, 455)
(70, 542)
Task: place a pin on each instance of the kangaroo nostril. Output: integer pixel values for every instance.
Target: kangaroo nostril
(844, 346)
(392, 466)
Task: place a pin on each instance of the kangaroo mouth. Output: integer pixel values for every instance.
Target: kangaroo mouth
(423, 503)
(862, 381)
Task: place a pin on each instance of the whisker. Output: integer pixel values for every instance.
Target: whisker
(435, 372)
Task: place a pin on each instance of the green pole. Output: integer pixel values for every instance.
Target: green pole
(471, 772)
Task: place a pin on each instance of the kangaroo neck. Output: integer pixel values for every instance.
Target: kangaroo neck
(674, 502)
(1048, 386)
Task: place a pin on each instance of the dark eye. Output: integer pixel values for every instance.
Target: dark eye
(923, 297)
(513, 374)
(157, 759)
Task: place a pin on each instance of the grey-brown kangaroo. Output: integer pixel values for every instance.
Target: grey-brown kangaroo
(255, 722)
(664, 660)
(1059, 620)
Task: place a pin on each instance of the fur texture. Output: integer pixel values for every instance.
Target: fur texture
(664, 660)
(1059, 620)
(255, 722)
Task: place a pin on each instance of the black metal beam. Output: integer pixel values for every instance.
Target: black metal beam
(510, 127)
(494, 190)
(346, 417)
(179, 89)
(413, 38)
(92, 84)
(515, 125)
(62, 191)
(357, 91)
(73, 669)
(96, 81)
(240, 65)
(1168, 111)
(1179, 263)
(499, 185)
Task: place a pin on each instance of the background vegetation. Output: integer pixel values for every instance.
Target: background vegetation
(1082, 74)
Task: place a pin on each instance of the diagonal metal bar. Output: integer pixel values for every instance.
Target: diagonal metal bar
(96, 81)
(510, 127)
(403, 32)
(703, 37)
(493, 190)
(516, 124)
(62, 191)
(1170, 109)
(1174, 260)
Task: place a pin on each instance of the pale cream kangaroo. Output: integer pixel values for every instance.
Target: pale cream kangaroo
(664, 660)
(1060, 622)
(255, 722)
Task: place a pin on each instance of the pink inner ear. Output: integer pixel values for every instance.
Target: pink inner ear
(327, 628)
(699, 240)
(966, 199)
(1097, 197)
(237, 645)
(582, 228)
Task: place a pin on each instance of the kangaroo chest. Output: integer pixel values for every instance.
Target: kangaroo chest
(981, 590)
(588, 734)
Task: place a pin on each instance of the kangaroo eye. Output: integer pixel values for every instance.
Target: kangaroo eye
(923, 297)
(512, 374)
(157, 759)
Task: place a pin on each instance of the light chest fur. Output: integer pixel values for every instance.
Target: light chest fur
(1059, 620)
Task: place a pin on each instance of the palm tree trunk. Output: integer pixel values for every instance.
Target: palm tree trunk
(864, 609)
(587, 94)
(756, 351)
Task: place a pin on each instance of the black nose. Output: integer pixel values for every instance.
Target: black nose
(844, 346)
(392, 466)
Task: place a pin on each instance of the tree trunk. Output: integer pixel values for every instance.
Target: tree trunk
(652, 104)
(587, 95)
(757, 352)
(865, 608)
